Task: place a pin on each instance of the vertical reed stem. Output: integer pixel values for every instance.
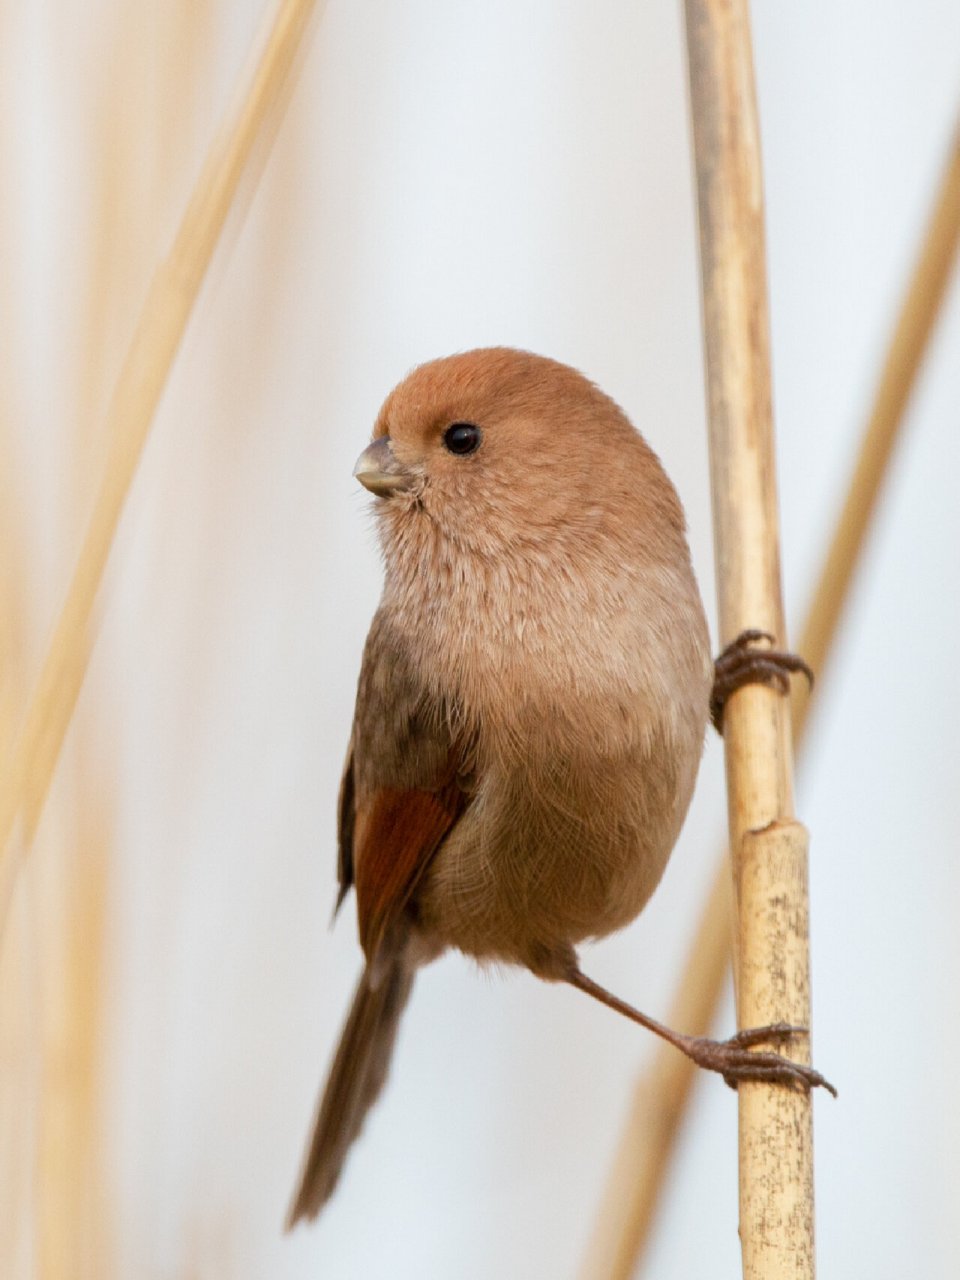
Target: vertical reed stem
(660, 1099)
(768, 846)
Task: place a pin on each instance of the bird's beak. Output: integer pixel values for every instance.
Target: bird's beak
(379, 471)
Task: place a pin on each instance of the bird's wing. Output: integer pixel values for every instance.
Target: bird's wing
(398, 834)
(401, 793)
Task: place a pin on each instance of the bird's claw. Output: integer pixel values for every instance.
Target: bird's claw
(776, 1032)
(736, 1061)
(740, 663)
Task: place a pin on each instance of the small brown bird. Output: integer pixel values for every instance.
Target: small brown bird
(531, 708)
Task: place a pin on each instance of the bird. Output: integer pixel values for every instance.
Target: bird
(531, 708)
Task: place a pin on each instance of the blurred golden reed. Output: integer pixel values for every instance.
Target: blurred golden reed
(134, 103)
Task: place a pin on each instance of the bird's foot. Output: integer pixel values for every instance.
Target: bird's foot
(736, 1061)
(740, 663)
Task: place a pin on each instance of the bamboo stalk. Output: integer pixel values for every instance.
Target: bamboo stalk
(634, 1187)
(776, 1123)
(155, 342)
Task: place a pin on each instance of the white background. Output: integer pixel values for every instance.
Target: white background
(452, 175)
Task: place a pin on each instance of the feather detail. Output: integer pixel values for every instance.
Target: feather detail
(397, 835)
(356, 1078)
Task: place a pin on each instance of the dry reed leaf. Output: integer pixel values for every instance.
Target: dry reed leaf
(131, 115)
(19, 953)
(143, 376)
(50, 1026)
(20, 1041)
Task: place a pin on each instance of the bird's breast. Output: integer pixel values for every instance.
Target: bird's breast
(558, 845)
(585, 699)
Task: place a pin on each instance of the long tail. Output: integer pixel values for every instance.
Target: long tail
(356, 1078)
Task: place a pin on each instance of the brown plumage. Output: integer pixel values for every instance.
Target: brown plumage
(532, 700)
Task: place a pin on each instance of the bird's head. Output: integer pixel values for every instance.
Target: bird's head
(500, 448)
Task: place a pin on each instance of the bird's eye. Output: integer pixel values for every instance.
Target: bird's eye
(462, 438)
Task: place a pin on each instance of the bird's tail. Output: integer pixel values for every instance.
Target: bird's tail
(356, 1078)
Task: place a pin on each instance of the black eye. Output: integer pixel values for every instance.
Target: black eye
(462, 438)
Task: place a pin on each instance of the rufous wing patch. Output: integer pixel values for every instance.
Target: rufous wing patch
(395, 836)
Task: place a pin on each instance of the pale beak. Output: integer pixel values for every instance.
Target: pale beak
(379, 471)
